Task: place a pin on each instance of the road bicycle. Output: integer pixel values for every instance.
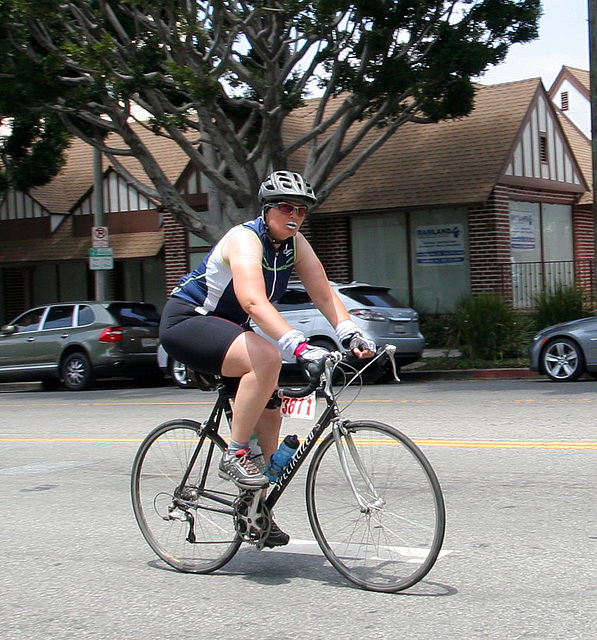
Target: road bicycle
(374, 502)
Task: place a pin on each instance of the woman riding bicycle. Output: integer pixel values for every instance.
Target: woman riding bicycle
(205, 324)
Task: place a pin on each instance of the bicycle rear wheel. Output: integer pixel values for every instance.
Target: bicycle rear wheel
(385, 532)
(190, 526)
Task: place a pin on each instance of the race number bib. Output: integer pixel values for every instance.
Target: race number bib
(303, 408)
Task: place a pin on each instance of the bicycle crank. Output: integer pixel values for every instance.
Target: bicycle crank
(252, 518)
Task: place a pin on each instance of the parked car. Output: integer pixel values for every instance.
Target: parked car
(381, 317)
(80, 341)
(566, 351)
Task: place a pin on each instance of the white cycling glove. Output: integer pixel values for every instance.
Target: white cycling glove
(310, 353)
(351, 337)
(289, 342)
(293, 344)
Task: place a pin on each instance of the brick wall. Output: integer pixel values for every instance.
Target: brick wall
(489, 239)
(175, 252)
(489, 244)
(584, 249)
(330, 238)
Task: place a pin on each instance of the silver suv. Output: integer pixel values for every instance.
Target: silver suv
(380, 316)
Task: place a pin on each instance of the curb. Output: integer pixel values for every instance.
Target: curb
(466, 374)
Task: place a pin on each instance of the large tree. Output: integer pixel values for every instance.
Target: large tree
(219, 78)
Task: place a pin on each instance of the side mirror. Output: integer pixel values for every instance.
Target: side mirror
(9, 329)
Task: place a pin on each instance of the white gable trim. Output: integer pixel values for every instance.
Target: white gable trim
(118, 196)
(541, 154)
(17, 205)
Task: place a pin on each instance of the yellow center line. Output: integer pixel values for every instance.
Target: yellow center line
(341, 401)
(506, 444)
(472, 444)
(107, 404)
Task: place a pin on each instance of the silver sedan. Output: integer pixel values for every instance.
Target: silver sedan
(566, 351)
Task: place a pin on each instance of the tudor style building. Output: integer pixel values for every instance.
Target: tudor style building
(487, 202)
(497, 201)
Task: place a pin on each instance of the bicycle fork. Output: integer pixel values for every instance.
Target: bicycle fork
(341, 434)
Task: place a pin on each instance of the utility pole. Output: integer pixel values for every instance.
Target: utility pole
(593, 79)
(101, 274)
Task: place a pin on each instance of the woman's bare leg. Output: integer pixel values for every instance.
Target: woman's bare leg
(257, 363)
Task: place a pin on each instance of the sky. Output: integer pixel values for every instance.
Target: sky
(563, 40)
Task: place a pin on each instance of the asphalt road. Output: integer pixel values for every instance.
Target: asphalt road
(516, 459)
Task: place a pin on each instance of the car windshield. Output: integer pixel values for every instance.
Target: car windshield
(135, 314)
(371, 296)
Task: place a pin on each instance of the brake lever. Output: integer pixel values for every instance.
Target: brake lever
(390, 350)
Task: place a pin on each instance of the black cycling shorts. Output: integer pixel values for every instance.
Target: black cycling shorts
(201, 342)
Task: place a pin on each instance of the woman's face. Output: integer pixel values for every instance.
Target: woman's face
(284, 218)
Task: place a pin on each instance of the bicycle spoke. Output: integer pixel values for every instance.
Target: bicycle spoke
(195, 531)
(386, 534)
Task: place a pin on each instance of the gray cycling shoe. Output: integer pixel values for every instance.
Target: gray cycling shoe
(239, 468)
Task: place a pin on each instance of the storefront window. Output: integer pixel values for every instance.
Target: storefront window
(541, 247)
(422, 256)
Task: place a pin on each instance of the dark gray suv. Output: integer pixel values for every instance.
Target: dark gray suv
(80, 341)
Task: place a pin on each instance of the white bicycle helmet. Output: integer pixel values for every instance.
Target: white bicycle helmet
(286, 184)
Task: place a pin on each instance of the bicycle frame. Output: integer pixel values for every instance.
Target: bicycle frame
(329, 416)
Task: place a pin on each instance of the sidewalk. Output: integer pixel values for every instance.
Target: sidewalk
(418, 371)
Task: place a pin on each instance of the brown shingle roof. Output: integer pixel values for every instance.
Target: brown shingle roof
(63, 246)
(582, 75)
(76, 178)
(579, 77)
(581, 146)
(449, 163)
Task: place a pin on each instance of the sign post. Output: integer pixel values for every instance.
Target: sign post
(99, 235)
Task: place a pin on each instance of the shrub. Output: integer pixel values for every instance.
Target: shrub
(438, 330)
(486, 327)
(559, 304)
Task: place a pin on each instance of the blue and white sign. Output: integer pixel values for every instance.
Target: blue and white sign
(440, 244)
(522, 231)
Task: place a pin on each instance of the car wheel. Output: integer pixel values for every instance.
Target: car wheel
(179, 374)
(563, 360)
(77, 373)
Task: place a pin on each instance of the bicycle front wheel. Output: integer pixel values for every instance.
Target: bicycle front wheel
(188, 522)
(375, 506)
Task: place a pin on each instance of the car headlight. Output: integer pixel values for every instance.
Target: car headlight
(368, 314)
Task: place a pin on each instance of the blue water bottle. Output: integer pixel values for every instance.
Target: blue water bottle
(281, 457)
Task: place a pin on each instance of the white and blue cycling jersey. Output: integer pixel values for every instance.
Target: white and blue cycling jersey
(209, 286)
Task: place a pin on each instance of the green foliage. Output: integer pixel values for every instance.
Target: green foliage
(559, 304)
(234, 71)
(33, 152)
(438, 330)
(486, 327)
